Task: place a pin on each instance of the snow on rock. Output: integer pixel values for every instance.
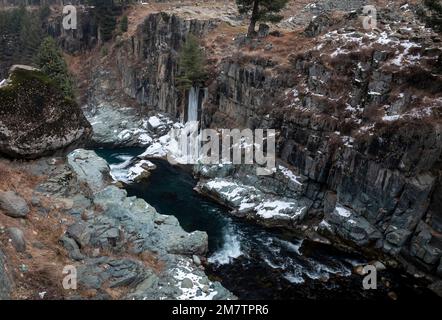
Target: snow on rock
(118, 171)
(391, 118)
(155, 150)
(290, 175)
(279, 208)
(126, 171)
(192, 285)
(140, 170)
(144, 139)
(342, 211)
(235, 194)
(154, 122)
(248, 199)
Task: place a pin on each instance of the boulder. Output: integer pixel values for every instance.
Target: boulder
(17, 239)
(36, 118)
(318, 25)
(13, 205)
(72, 247)
(91, 170)
(350, 226)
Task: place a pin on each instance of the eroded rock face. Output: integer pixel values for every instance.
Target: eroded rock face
(351, 123)
(35, 118)
(155, 48)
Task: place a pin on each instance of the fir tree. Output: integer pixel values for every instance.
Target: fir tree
(191, 64)
(434, 19)
(261, 10)
(124, 24)
(50, 61)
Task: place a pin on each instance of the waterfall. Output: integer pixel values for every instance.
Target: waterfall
(192, 110)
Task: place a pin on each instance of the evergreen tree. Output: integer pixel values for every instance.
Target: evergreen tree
(261, 10)
(105, 14)
(50, 61)
(191, 64)
(20, 37)
(124, 24)
(31, 35)
(434, 19)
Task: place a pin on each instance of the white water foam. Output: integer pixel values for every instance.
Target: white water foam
(230, 250)
(119, 171)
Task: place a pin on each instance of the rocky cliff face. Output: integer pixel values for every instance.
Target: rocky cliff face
(36, 119)
(85, 37)
(142, 67)
(360, 120)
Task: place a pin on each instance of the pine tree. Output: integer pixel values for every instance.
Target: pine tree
(50, 61)
(31, 35)
(124, 24)
(434, 19)
(105, 13)
(191, 64)
(261, 10)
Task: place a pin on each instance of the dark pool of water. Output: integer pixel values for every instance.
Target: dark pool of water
(255, 263)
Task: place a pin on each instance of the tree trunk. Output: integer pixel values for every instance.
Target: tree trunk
(253, 19)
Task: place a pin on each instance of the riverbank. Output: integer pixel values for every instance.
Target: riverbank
(258, 263)
(120, 246)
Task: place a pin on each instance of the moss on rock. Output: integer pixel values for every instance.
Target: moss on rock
(36, 118)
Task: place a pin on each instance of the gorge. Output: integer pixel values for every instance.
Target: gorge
(357, 179)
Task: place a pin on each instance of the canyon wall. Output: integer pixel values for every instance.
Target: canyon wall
(142, 68)
(359, 117)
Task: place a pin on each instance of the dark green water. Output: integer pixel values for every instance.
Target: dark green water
(252, 262)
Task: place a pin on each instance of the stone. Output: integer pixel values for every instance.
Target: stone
(13, 205)
(30, 102)
(17, 239)
(263, 30)
(90, 170)
(351, 226)
(379, 266)
(72, 247)
(186, 283)
(80, 232)
(23, 268)
(196, 260)
(318, 24)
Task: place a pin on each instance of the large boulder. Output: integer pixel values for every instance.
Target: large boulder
(13, 205)
(35, 117)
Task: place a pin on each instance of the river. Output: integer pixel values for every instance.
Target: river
(253, 262)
